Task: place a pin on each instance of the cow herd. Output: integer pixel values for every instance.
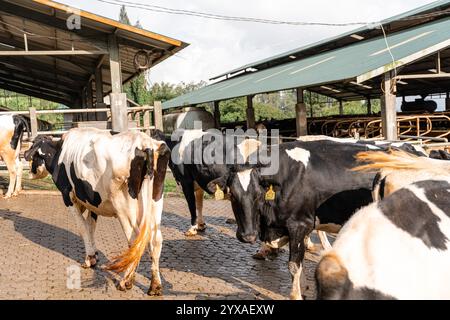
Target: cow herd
(388, 203)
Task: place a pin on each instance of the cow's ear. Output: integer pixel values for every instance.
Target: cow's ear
(219, 183)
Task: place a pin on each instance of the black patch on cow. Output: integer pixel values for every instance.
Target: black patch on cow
(94, 216)
(404, 209)
(113, 133)
(20, 124)
(138, 170)
(340, 207)
(438, 193)
(62, 182)
(440, 154)
(83, 189)
(161, 168)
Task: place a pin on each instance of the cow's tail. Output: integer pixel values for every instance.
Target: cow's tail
(129, 260)
(331, 278)
(397, 159)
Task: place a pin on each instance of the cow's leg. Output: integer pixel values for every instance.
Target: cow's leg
(324, 240)
(91, 221)
(127, 227)
(297, 234)
(84, 229)
(201, 226)
(19, 171)
(188, 190)
(156, 245)
(10, 162)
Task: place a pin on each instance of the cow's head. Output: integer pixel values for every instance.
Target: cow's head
(40, 155)
(242, 188)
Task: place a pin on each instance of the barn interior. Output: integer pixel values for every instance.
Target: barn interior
(78, 59)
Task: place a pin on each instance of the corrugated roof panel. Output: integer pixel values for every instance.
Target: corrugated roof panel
(423, 9)
(340, 64)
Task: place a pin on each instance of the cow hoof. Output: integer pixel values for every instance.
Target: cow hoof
(259, 256)
(7, 196)
(90, 261)
(130, 282)
(121, 286)
(230, 221)
(191, 232)
(201, 227)
(156, 291)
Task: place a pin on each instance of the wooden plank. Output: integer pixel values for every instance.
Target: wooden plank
(300, 114)
(33, 122)
(13, 53)
(158, 116)
(119, 112)
(115, 67)
(251, 123)
(388, 109)
(217, 114)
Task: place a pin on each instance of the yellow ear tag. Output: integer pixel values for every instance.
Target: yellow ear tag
(270, 194)
(219, 195)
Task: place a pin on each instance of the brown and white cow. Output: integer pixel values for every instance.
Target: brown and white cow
(12, 128)
(119, 176)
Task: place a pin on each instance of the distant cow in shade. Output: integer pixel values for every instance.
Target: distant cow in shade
(12, 128)
(397, 248)
(118, 176)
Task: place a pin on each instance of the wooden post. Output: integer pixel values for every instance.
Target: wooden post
(447, 102)
(101, 116)
(341, 108)
(119, 117)
(90, 101)
(251, 123)
(81, 116)
(369, 106)
(217, 114)
(147, 121)
(388, 109)
(158, 116)
(33, 122)
(300, 114)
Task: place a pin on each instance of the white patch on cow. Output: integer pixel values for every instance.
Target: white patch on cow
(300, 155)
(244, 178)
(7, 123)
(372, 147)
(188, 137)
(380, 256)
(248, 147)
(40, 152)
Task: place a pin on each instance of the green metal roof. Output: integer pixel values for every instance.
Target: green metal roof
(358, 62)
(343, 39)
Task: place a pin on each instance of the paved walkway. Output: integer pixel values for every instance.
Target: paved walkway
(41, 252)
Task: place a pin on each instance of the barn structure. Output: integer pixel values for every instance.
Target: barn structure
(69, 56)
(406, 55)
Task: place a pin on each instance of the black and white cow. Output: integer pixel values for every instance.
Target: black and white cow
(194, 176)
(310, 175)
(398, 248)
(120, 176)
(12, 128)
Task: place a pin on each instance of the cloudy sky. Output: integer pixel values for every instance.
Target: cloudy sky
(218, 46)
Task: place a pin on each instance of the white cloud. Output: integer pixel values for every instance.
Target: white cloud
(218, 46)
